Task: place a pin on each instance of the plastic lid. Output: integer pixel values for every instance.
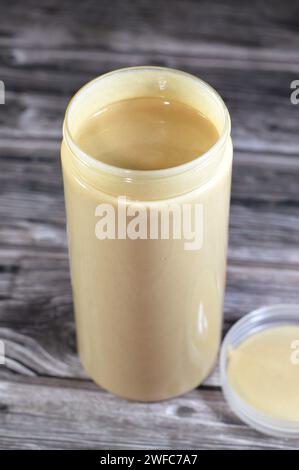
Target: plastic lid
(262, 319)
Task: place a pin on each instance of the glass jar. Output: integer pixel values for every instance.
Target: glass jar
(148, 311)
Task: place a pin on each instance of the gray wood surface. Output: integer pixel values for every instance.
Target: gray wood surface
(48, 50)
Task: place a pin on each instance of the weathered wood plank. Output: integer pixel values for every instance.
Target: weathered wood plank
(121, 48)
(51, 414)
(268, 24)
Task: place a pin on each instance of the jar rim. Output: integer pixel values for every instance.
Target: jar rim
(98, 165)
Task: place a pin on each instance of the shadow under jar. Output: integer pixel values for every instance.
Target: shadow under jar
(148, 311)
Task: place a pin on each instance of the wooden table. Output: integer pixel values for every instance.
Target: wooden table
(250, 53)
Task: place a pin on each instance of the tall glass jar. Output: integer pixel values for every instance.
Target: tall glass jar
(148, 311)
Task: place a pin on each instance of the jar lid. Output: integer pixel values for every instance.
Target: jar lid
(256, 374)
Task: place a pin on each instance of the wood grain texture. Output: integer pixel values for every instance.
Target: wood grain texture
(77, 414)
(47, 51)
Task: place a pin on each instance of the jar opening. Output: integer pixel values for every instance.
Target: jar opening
(144, 81)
